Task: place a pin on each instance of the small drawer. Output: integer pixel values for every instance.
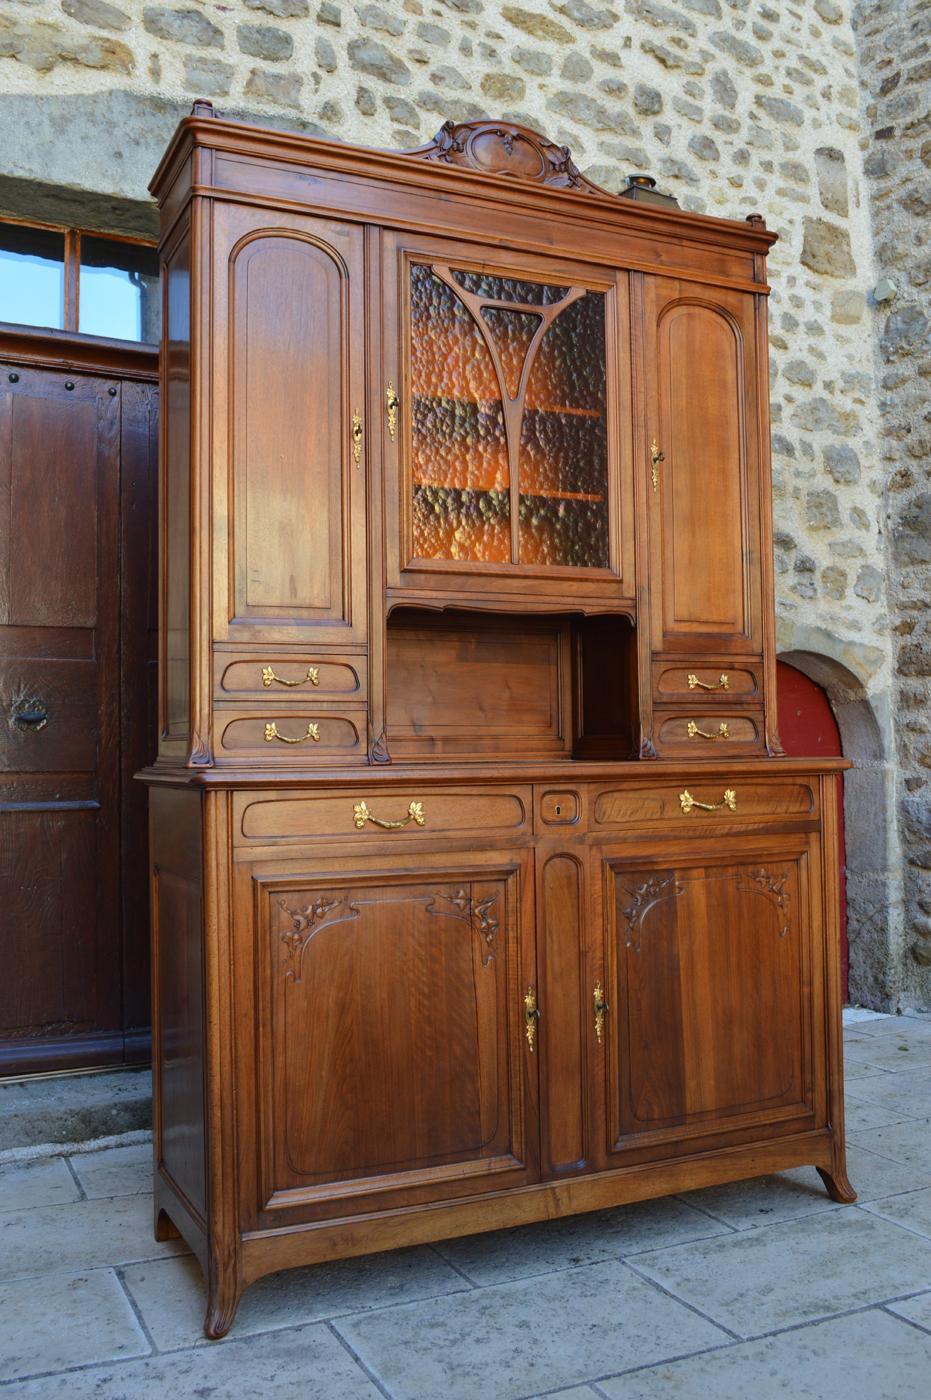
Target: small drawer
(708, 682)
(362, 816)
(292, 679)
(698, 800)
(705, 735)
(560, 808)
(291, 737)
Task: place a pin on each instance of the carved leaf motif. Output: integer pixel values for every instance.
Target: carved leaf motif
(774, 886)
(505, 148)
(476, 912)
(642, 899)
(304, 924)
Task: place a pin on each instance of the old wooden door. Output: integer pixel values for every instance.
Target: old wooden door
(77, 525)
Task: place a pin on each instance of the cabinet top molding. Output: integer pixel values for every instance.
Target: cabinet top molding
(494, 162)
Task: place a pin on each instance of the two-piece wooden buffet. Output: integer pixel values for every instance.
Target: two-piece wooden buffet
(482, 891)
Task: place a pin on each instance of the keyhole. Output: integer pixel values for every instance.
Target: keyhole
(558, 810)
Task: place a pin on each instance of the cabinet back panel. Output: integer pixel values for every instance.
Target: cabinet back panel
(477, 686)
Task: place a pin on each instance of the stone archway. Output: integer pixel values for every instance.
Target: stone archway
(874, 895)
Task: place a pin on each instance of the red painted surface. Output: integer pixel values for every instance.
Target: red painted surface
(808, 729)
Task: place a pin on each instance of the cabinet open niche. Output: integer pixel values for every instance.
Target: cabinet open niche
(485, 685)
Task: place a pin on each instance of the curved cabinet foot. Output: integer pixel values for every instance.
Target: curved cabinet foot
(165, 1227)
(837, 1184)
(223, 1297)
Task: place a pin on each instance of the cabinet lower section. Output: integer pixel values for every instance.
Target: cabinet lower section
(391, 1032)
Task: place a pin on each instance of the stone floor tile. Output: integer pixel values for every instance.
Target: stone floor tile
(901, 1142)
(577, 1392)
(760, 1280)
(82, 1235)
(49, 1324)
(908, 1094)
(768, 1199)
(912, 1210)
(517, 1339)
(893, 1053)
(854, 1070)
(858, 1016)
(171, 1297)
(860, 1114)
(581, 1239)
(909, 1027)
(917, 1310)
(116, 1171)
(304, 1363)
(44, 1182)
(869, 1356)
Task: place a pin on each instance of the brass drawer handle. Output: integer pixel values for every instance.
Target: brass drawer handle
(695, 733)
(687, 802)
(415, 813)
(723, 683)
(655, 458)
(271, 732)
(601, 1006)
(268, 675)
(531, 1017)
(357, 437)
(392, 404)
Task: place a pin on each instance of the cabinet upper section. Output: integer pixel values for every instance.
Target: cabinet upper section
(471, 179)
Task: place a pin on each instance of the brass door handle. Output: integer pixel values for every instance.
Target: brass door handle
(695, 733)
(601, 1006)
(687, 802)
(531, 1017)
(392, 404)
(722, 684)
(268, 675)
(357, 437)
(271, 732)
(415, 814)
(655, 458)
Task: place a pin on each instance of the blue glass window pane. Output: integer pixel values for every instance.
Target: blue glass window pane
(32, 276)
(118, 292)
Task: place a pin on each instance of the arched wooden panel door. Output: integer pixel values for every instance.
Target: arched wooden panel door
(808, 729)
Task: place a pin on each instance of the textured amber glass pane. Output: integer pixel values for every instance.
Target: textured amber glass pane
(512, 332)
(563, 464)
(459, 454)
(493, 288)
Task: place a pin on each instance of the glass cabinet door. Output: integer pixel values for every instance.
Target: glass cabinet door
(509, 428)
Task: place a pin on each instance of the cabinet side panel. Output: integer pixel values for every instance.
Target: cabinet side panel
(176, 493)
(287, 318)
(178, 993)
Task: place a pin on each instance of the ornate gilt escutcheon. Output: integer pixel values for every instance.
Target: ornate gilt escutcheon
(655, 458)
(601, 1006)
(415, 814)
(531, 1017)
(722, 683)
(695, 733)
(357, 437)
(392, 404)
(268, 676)
(687, 802)
(271, 732)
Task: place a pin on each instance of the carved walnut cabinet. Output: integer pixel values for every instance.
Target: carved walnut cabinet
(482, 891)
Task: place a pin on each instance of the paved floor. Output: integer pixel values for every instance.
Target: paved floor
(763, 1289)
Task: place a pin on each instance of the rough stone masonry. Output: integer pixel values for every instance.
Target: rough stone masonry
(810, 113)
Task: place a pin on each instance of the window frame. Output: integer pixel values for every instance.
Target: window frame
(72, 267)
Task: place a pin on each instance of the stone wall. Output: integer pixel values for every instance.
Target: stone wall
(894, 43)
(734, 105)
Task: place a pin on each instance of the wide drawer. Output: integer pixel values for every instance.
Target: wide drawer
(699, 801)
(715, 682)
(293, 736)
(693, 734)
(402, 815)
(289, 678)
